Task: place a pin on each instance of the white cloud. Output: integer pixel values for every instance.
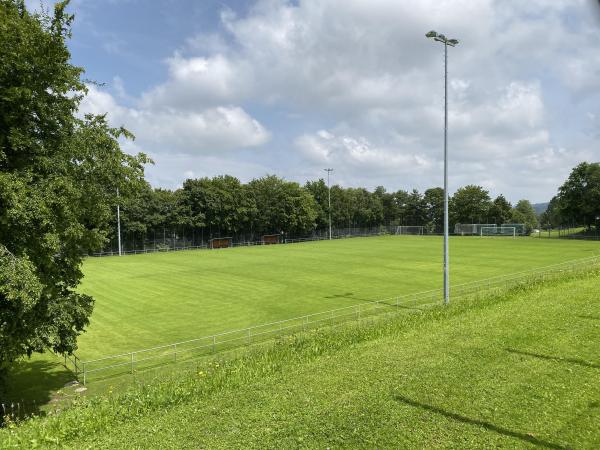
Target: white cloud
(197, 82)
(206, 131)
(351, 152)
(365, 89)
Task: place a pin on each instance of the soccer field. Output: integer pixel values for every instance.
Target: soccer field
(154, 299)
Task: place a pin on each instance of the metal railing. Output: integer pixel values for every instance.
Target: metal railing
(147, 358)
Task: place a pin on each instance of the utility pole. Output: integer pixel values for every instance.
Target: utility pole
(329, 198)
(118, 222)
(452, 43)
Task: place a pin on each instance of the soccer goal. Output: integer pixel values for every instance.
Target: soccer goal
(466, 229)
(409, 229)
(220, 242)
(269, 239)
(519, 228)
(498, 231)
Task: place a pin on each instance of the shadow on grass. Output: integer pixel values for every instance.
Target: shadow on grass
(589, 317)
(576, 361)
(480, 423)
(350, 296)
(33, 385)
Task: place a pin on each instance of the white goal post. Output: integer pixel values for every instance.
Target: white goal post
(499, 231)
(409, 229)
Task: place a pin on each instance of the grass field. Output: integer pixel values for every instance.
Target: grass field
(153, 299)
(516, 370)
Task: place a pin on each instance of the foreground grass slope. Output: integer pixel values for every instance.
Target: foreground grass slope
(517, 370)
(154, 299)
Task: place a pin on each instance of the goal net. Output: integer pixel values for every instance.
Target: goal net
(519, 228)
(498, 231)
(409, 229)
(466, 229)
(268, 239)
(220, 242)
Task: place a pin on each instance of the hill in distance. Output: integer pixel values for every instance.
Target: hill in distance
(540, 207)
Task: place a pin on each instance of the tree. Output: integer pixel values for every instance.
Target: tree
(58, 181)
(415, 209)
(401, 198)
(319, 191)
(524, 212)
(221, 204)
(470, 204)
(366, 208)
(434, 209)
(500, 210)
(579, 196)
(389, 205)
(342, 209)
(135, 217)
(282, 206)
(551, 217)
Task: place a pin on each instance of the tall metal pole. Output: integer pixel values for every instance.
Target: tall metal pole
(447, 42)
(118, 222)
(446, 232)
(329, 199)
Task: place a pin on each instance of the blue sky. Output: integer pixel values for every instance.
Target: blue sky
(132, 38)
(269, 86)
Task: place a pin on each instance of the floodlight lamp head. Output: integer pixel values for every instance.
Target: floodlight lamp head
(442, 37)
(453, 42)
(431, 34)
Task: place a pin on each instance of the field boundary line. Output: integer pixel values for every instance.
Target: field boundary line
(226, 340)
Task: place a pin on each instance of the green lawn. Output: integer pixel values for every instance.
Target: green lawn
(517, 370)
(154, 299)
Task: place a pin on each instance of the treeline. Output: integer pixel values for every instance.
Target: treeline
(223, 206)
(578, 200)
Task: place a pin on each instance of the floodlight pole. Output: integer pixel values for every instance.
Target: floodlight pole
(118, 222)
(446, 231)
(452, 42)
(329, 198)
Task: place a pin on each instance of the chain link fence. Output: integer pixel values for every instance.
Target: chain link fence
(174, 241)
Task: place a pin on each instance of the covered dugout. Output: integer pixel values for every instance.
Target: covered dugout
(220, 242)
(269, 239)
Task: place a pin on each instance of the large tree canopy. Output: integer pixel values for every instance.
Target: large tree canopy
(523, 212)
(282, 206)
(470, 204)
(58, 180)
(579, 196)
